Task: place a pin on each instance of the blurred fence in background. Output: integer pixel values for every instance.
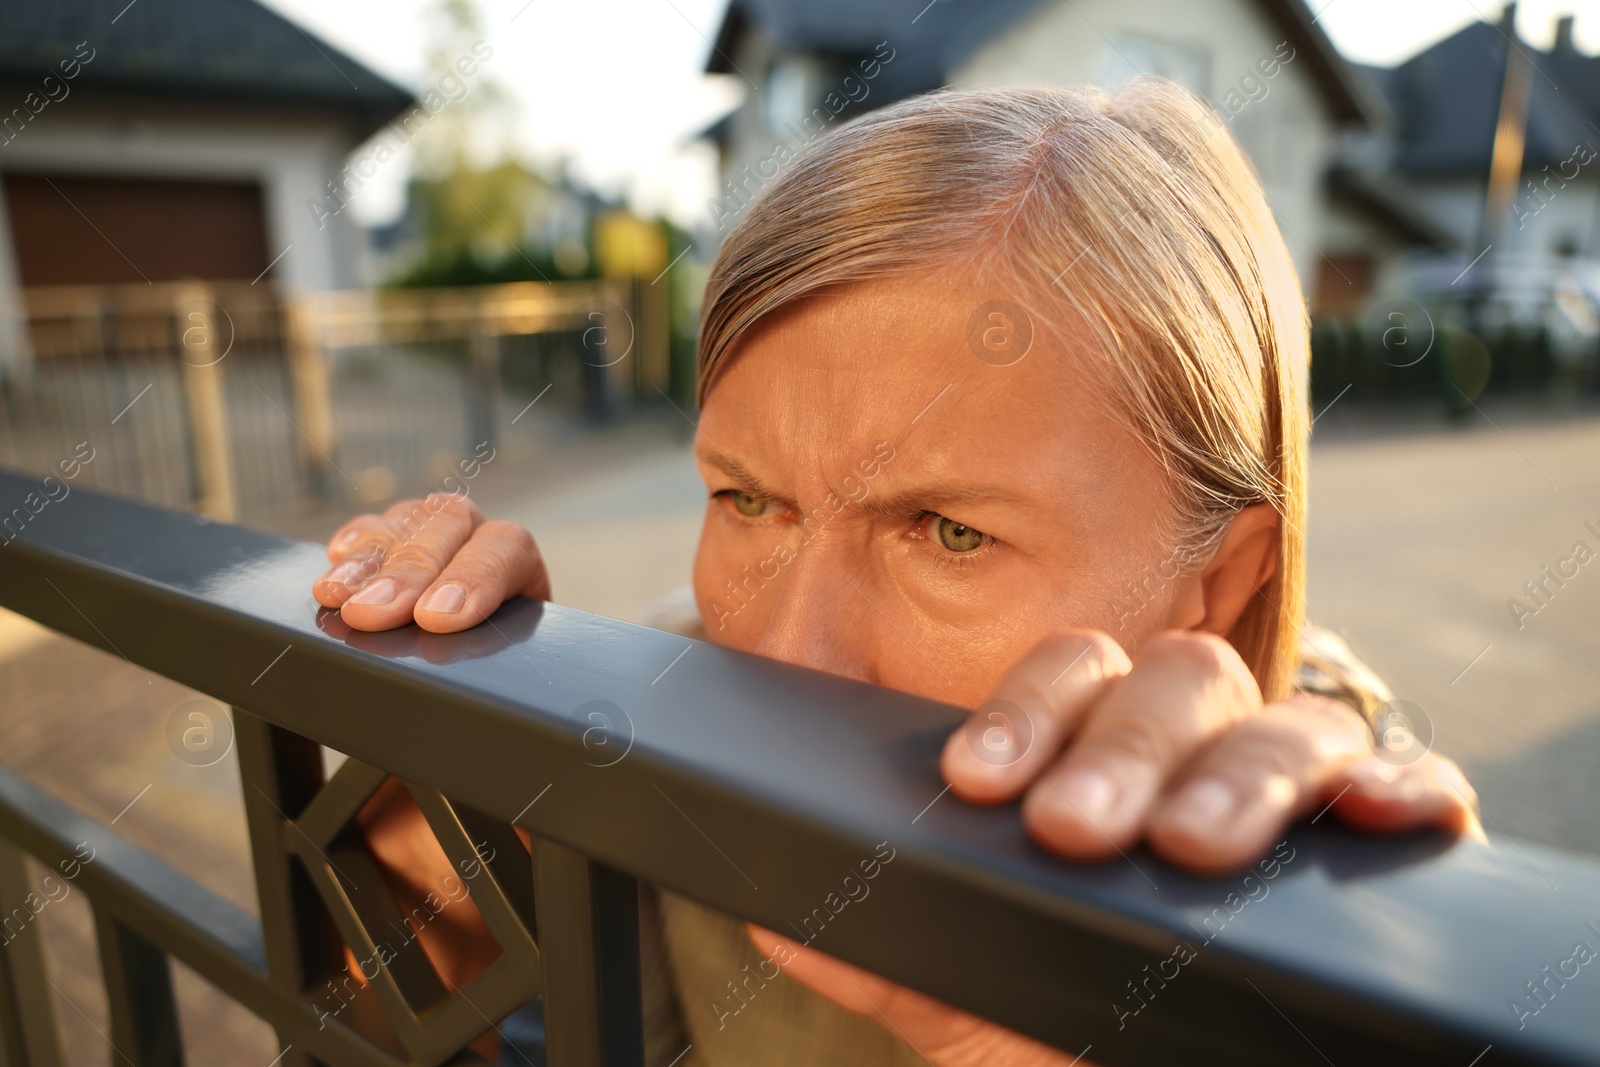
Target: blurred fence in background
(239, 401)
(1525, 324)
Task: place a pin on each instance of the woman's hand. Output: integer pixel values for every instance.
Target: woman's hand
(434, 561)
(1175, 748)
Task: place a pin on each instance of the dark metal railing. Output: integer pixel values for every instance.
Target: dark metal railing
(745, 784)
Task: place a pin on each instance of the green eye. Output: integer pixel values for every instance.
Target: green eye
(752, 506)
(956, 537)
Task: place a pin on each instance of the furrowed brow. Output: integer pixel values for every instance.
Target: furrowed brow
(739, 473)
(913, 500)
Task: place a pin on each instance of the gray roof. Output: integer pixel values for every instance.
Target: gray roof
(236, 53)
(1447, 99)
(931, 38)
(926, 49)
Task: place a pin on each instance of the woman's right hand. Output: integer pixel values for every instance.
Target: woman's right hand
(433, 561)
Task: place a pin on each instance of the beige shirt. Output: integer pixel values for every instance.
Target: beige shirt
(699, 995)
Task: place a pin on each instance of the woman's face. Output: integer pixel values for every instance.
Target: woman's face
(890, 503)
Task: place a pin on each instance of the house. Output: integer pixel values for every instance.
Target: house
(1274, 77)
(155, 141)
(1534, 258)
(1447, 100)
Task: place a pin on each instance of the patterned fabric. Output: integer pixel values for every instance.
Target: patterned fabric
(699, 995)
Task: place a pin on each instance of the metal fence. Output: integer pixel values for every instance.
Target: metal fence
(742, 783)
(239, 402)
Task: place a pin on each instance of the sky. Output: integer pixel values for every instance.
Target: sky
(616, 86)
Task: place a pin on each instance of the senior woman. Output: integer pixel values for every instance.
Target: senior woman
(1003, 404)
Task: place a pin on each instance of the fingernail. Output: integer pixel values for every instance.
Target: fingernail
(1203, 803)
(343, 541)
(447, 600)
(352, 573)
(1089, 793)
(378, 593)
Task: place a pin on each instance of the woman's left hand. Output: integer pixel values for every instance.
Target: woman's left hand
(1174, 748)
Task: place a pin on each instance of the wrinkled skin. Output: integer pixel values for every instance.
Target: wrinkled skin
(982, 523)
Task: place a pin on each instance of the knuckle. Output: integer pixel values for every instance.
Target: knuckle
(475, 573)
(1194, 648)
(415, 557)
(406, 520)
(1090, 657)
(456, 506)
(512, 534)
(409, 520)
(1204, 654)
(1142, 738)
(1259, 753)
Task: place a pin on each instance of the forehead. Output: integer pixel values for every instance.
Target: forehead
(969, 381)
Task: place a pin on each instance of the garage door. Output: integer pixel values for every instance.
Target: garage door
(90, 230)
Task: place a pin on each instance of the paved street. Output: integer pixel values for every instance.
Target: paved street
(1418, 540)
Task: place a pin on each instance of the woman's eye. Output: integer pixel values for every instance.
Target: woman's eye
(753, 506)
(954, 536)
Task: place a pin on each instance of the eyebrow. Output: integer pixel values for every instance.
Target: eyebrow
(903, 501)
(937, 497)
(741, 474)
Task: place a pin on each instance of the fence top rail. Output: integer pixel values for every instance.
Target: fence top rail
(764, 789)
(92, 301)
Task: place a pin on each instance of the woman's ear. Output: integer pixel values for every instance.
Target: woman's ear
(1244, 561)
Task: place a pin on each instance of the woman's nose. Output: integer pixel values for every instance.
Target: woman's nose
(821, 617)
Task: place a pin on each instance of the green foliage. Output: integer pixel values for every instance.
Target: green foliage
(471, 200)
(471, 223)
(461, 268)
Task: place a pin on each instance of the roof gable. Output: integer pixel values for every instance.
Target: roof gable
(1448, 100)
(933, 37)
(232, 51)
(930, 37)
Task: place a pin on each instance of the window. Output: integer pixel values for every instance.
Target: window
(789, 95)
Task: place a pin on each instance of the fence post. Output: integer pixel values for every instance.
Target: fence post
(28, 1034)
(280, 772)
(484, 377)
(201, 350)
(313, 398)
(650, 301)
(144, 1012)
(589, 945)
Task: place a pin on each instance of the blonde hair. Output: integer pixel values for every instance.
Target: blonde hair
(1134, 217)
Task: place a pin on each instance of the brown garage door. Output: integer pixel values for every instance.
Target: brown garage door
(80, 230)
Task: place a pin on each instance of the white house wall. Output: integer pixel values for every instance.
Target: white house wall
(1532, 226)
(1557, 213)
(293, 161)
(1286, 131)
